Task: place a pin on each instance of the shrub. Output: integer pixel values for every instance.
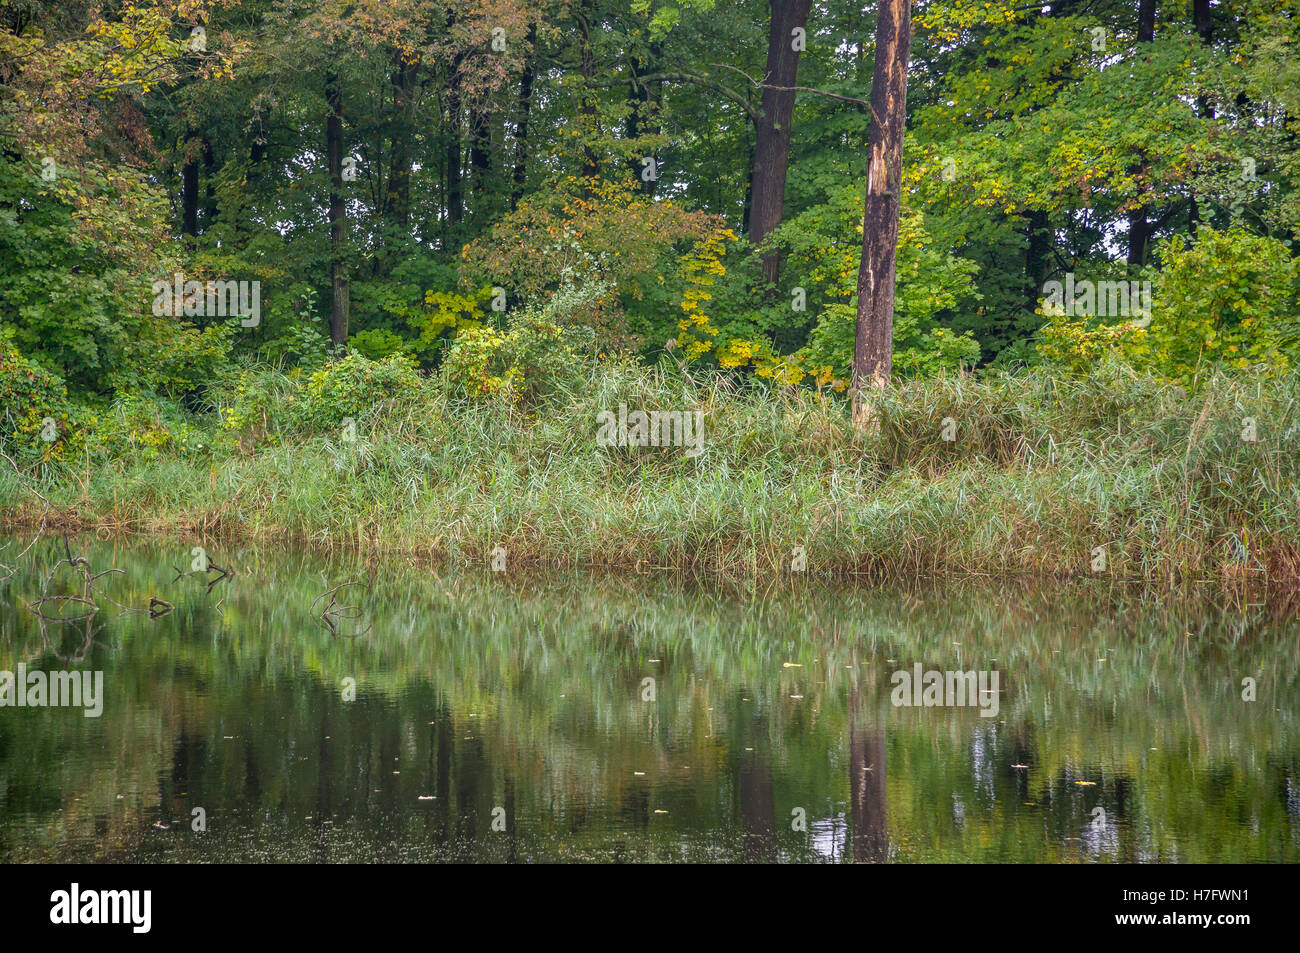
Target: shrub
(34, 406)
(144, 425)
(377, 343)
(1078, 344)
(1230, 298)
(260, 401)
(355, 386)
(532, 360)
(921, 346)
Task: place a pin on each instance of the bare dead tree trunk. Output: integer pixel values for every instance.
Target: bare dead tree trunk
(873, 348)
(772, 139)
(340, 302)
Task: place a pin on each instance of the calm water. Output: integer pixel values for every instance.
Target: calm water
(485, 701)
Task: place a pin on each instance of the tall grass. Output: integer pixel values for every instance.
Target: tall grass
(1044, 474)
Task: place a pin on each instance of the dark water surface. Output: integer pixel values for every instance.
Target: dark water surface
(519, 702)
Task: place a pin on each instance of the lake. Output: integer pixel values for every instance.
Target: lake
(310, 706)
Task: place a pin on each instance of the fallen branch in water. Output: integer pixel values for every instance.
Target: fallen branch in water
(89, 592)
(334, 612)
(211, 567)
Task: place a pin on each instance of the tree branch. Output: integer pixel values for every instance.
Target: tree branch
(698, 79)
(791, 89)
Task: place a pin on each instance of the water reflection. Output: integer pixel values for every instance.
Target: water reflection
(508, 719)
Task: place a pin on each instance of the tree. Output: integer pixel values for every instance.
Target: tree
(873, 344)
(1138, 227)
(340, 301)
(772, 136)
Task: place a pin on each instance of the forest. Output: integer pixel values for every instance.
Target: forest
(369, 273)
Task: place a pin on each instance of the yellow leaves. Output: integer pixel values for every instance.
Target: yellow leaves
(736, 353)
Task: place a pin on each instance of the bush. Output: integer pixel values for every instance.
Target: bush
(1079, 344)
(532, 360)
(1230, 298)
(38, 424)
(261, 401)
(378, 343)
(176, 360)
(355, 386)
(921, 347)
(144, 425)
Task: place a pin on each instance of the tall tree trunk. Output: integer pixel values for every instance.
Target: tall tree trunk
(521, 126)
(397, 200)
(455, 191)
(190, 197)
(1205, 29)
(638, 98)
(340, 302)
(651, 119)
(480, 157)
(772, 138)
(873, 348)
(209, 178)
(587, 67)
(1139, 229)
(1038, 251)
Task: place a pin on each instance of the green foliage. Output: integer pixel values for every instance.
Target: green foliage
(377, 343)
(355, 387)
(824, 246)
(1078, 344)
(1230, 298)
(145, 427)
(1028, 153)
(444, 312)
(534, 359)
(921, 347)
(34, 406)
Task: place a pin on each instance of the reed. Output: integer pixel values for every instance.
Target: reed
(1043, 473)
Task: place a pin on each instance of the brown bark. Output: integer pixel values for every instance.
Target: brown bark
(772, 138)
(340, 301)
(873, 350)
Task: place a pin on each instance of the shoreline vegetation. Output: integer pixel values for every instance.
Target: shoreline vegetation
(1113, 474)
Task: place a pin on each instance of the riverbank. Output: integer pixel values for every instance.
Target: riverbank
(1115, 475)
